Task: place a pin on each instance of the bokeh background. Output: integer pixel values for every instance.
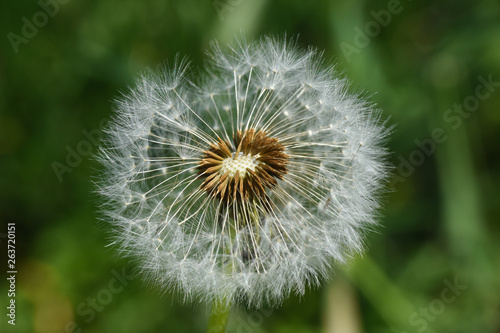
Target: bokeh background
(433, 265)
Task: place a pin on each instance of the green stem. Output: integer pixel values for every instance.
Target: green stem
(219, 316)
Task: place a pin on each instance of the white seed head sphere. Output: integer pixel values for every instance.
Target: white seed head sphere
(248, 183)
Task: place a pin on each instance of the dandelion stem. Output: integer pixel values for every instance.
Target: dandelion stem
(219, 316)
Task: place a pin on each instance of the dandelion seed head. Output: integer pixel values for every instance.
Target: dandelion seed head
(248, 183)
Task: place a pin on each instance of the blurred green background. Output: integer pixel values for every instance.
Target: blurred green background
(434, 264)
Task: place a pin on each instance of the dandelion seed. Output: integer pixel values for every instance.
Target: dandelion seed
(245, 185)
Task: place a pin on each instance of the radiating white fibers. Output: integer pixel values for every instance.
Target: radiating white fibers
(252, 230)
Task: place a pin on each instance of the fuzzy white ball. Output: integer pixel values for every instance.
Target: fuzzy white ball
(298, 207)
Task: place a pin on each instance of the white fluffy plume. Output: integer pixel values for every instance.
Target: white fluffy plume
(278, 241)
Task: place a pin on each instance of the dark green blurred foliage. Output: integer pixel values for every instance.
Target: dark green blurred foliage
(440, 222)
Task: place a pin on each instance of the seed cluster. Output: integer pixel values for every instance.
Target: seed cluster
(239, 164)
(243, 170)
(247, 183)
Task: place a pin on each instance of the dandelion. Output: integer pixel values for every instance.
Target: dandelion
(247, 184)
